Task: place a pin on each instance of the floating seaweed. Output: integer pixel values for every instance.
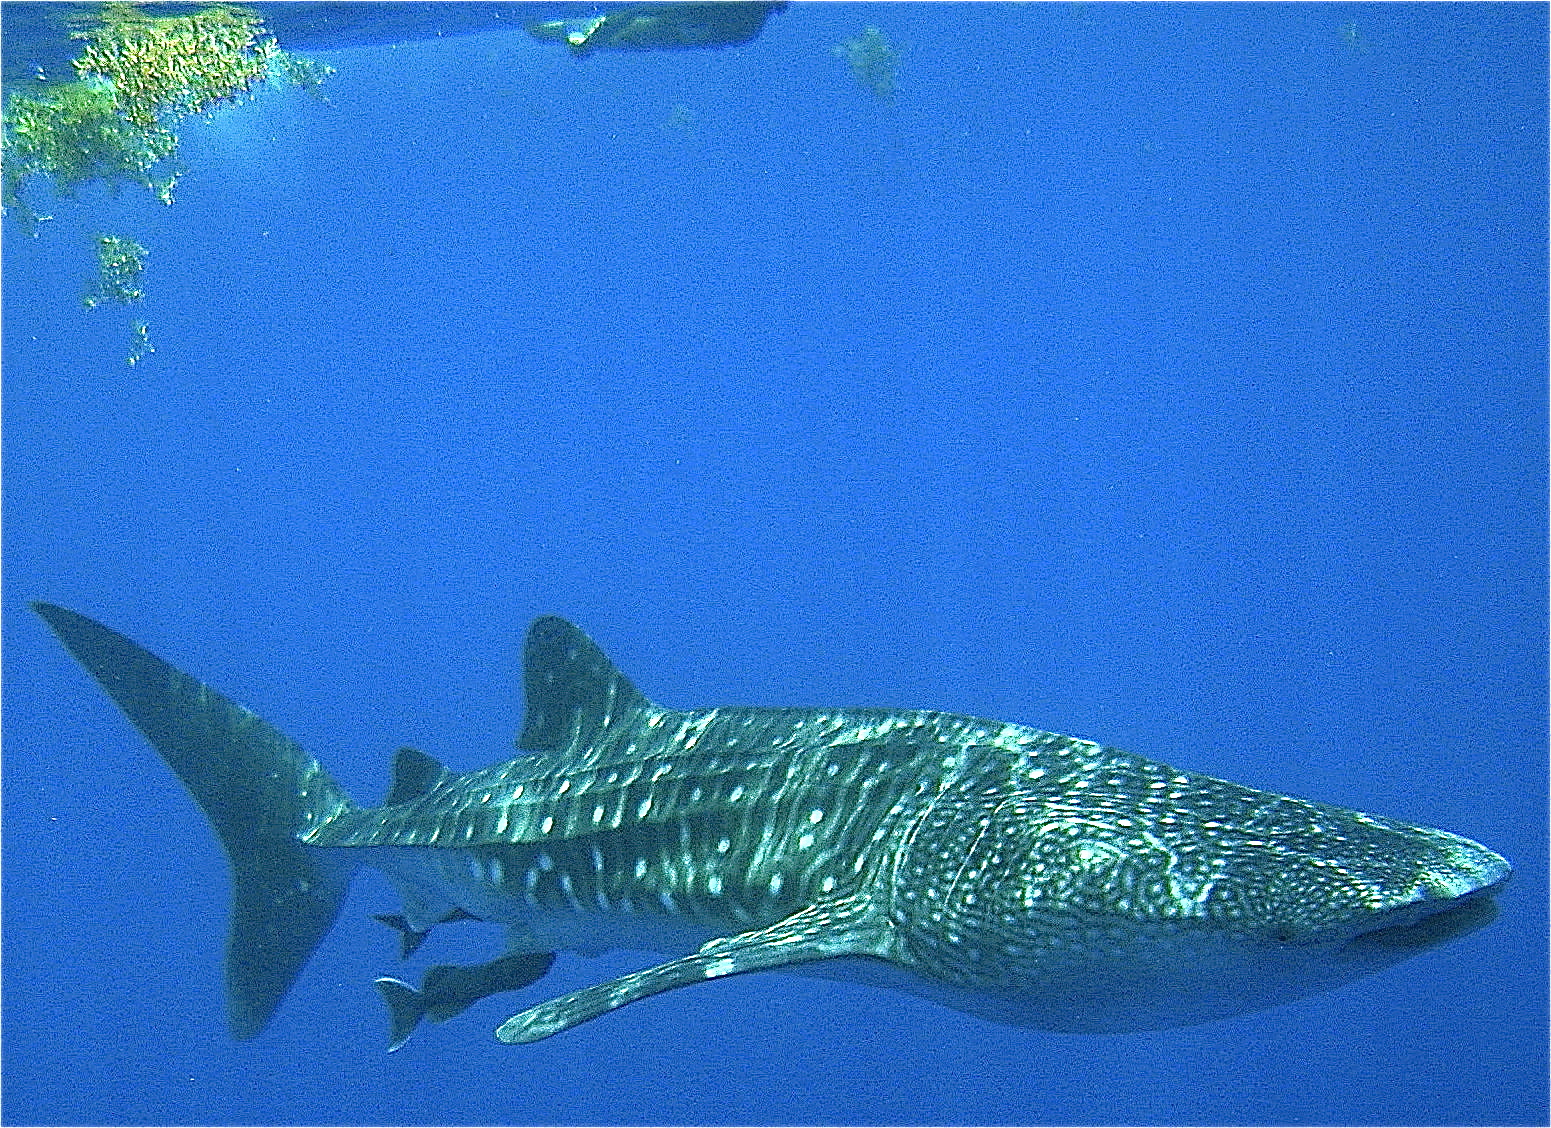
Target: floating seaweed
(139, 342)
(874, 61)
(136, 76)
(120, 262)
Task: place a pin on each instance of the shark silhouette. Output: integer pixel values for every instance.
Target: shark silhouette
(1030, 878)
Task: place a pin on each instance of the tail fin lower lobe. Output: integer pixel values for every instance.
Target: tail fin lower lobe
(258, 789)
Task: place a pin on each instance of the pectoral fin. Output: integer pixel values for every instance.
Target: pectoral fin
(849, 927)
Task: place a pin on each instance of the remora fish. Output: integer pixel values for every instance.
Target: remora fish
(1027, 877)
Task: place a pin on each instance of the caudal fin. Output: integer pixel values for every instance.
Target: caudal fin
(258, 789)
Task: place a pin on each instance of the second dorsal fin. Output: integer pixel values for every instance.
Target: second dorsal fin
(414, 773)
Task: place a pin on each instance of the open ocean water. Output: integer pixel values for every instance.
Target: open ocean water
(1170, 375)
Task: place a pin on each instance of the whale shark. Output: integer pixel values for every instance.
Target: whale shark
(1029, 878)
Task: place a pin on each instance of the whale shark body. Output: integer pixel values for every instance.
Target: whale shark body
(1027, 877)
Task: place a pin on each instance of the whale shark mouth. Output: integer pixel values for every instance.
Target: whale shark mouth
(1415, 928)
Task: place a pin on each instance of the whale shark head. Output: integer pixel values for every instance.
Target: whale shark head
(1127, 895)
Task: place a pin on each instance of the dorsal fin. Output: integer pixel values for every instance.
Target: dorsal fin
(414, 773)
(574, 693)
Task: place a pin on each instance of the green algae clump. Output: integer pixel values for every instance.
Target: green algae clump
(873, 60)
(175, 65)
(120, 262)
(136, 76)
(139, 343)
(74, 133)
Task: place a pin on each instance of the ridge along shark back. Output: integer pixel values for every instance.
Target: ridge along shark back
(1026, 877)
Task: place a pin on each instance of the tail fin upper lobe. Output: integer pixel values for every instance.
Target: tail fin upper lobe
(258, 789)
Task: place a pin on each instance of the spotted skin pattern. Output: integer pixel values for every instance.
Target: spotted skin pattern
(1022, 875)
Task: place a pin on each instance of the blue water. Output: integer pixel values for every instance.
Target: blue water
(1173, 376)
